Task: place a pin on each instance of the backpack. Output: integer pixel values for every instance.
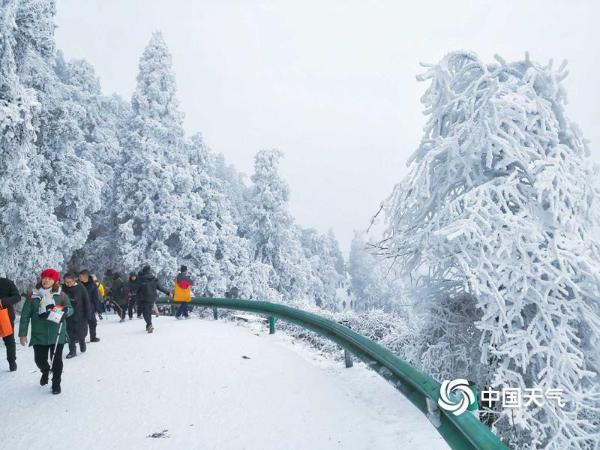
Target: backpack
(118, 291)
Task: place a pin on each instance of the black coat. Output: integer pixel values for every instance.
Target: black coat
(132, 288)
(80, 300)
(93, 295)
(9, 296)
(147, 288)
(118, 293)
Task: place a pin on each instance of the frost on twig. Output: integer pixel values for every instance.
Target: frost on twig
(496, 220)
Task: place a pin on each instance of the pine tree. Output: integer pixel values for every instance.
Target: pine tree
(157, 212)
(327, 268)
(101, 120)
(57, 186)
(271, 229)
(494, 222)
(25, 222)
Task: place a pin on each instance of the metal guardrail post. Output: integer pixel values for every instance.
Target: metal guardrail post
(462, 432)
(271, 325)
(348, 359)
(215, 314)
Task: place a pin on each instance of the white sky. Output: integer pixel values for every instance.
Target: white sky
(330, 83)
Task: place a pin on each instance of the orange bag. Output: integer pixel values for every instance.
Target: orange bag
(6, 328)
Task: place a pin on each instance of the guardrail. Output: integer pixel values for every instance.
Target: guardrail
(460, 432)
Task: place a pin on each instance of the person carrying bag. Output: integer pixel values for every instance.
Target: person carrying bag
(46, 309)
(9, 296)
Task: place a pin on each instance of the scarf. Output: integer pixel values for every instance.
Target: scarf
(46, 297)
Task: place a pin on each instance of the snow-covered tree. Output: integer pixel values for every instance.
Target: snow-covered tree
(494, 223)
(271, 229)
(327, 268)
(234, 186)
(373, 280)
(157, 211)
(101, 120)
(49, 216)
(89, 180)
(222, 262)
(25, 222)
(71, 182)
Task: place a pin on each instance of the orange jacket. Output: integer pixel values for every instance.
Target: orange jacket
(182, 294)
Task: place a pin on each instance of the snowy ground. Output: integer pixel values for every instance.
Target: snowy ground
(191, 379)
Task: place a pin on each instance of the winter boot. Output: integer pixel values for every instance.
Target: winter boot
(82, 347)
(44, 379)
(95, 339)
(12, 366)
(149, 328)
(71, 355)
(56, 387)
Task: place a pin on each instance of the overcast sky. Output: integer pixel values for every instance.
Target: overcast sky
(330, 83)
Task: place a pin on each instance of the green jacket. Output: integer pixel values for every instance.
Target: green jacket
(44, 331)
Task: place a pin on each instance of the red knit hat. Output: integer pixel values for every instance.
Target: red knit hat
(51, 273)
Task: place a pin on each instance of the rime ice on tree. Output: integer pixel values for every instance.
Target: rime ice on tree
(495, 220)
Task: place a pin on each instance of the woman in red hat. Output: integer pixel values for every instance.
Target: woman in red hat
(47, 308)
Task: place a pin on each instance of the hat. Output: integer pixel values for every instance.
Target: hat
(51, 273)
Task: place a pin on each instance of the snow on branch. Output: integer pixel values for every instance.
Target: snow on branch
(501, 201)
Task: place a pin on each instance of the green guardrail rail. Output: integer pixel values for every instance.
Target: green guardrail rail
(460, 432)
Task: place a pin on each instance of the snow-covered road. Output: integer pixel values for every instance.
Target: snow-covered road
(210, 385)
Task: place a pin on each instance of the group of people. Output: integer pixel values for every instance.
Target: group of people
(62, 314)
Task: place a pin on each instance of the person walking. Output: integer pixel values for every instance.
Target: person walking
(182, 292)
(146, 292)
(9, 296)
(132, 297)
(119, 296)
(46, 309)
(107, 285)
(101, 295)
(77, 324)
(92, 290)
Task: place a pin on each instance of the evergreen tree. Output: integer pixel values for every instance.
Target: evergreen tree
(271, 229)
(157, 211)
(327, 268)
(24, 219)
(71, 182)
(101, 120)
(57, 186)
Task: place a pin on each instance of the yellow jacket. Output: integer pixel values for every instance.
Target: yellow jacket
(100, 289)
(181, 294)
